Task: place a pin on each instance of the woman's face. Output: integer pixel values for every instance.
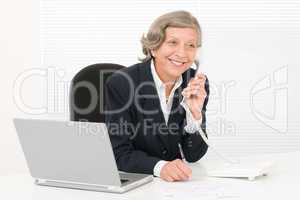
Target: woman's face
(176, 54)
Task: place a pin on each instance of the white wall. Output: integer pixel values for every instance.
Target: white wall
(252, 47)
(18, 32)
(246, 44)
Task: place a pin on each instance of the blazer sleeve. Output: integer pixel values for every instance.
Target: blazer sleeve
(193, 145)
(128, 158)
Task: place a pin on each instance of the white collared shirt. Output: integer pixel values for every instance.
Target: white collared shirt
(166, 104)
(192, 126)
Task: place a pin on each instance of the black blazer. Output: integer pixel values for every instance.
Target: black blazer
(138, 132)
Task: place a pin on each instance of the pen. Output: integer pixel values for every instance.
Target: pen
(181, 152)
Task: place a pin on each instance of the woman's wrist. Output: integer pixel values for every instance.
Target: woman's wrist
(197, 115)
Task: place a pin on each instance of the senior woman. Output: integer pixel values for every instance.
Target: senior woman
(156, 108)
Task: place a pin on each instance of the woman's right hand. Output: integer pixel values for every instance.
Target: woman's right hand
(175, 170)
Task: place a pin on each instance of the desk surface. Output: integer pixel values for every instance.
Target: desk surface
(281, 183)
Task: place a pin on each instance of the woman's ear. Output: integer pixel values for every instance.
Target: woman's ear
(152, 53)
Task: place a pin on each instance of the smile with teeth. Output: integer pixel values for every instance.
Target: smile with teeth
(177, 63)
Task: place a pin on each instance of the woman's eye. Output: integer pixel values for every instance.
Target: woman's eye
(191, 45)
(172, 42)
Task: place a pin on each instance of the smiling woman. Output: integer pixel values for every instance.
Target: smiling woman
(167, 107)
(176, 54)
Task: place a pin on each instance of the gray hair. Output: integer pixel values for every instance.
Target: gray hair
(157, 31)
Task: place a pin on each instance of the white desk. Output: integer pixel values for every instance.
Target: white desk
(281, 183)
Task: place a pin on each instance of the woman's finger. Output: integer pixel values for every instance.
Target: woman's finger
(189, 91)
(195, 82)
(174, 175)
(200, 76)
(184, 168)
(169, 179)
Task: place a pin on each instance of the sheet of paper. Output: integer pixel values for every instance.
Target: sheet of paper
(195, 189)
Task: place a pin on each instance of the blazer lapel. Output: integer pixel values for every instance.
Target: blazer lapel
(177, 113)
(151, 104)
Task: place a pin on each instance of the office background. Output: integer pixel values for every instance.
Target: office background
(250, 54)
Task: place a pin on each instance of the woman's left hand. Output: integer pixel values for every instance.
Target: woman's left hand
(195, 95)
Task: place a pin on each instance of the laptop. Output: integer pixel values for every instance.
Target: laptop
(74, 155)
